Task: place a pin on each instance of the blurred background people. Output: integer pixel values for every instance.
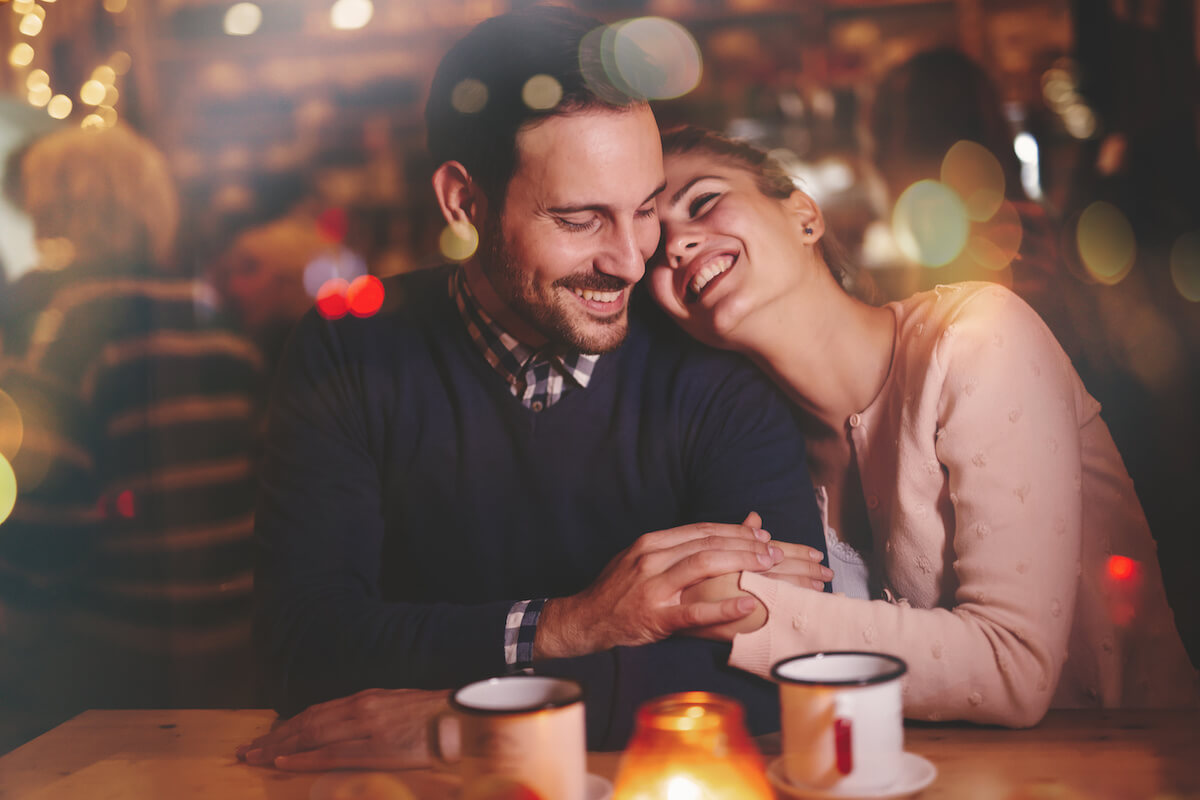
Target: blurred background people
(260, 279)
(126, 569)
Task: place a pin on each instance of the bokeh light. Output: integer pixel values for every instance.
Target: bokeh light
(995, 243)
(111, 96)
(21, 55)
(930, 223)
(541, 92)
(31, 25)
(1121, 568)
(115, 6)
(92, 92)
(458, 246)
(105, 74)
(92, 122)
(23, 6)
(1080, 121)
(1185, 265)
(331, 298)
(1106, 243)
(349, 15)
(36, 78)
(125, 504)
(242, 19)
(8, 489)
(971, 170)
(59, 106)
(651, 57)
(12, 427)
(109, 115)
(39, 96)
(120, 62)
(365, 296)
(338, 263)
(469, 96)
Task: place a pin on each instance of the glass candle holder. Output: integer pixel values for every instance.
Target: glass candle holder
(691, 746)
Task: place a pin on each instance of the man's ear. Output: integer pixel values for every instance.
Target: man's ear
(462, 202)
(807, 215)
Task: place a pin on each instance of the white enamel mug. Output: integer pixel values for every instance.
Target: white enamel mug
(843, 722)
(526, 728)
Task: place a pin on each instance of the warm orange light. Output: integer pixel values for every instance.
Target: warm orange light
(689, 746)
(1121, 568)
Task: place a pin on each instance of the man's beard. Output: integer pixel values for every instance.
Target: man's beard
(537, 305)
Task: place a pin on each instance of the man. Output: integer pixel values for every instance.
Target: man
(503, 431)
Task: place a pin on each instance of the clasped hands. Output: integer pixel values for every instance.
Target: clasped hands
(681, 580)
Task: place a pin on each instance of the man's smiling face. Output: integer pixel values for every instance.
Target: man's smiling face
(578, 224)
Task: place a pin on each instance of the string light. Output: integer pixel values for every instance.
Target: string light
(93, 92)
(349, 15)
(31, 25)
(21, 55)
(59, 106)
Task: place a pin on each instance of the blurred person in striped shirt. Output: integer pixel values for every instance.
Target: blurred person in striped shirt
(125, 564)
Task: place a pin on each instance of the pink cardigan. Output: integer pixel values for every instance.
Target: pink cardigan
(996, 497)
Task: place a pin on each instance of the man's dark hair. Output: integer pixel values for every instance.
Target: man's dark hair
(502, 53)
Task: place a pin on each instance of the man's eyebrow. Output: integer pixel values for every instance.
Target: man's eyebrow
(675, 198)
(601, 207)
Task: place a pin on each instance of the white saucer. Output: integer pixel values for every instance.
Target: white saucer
(598, 787)
(915, 774)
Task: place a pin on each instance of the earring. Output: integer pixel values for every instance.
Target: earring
(808, 231)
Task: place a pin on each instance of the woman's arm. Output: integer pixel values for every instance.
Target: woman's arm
(1007, 438)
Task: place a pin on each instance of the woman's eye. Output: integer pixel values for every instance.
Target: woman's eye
(646, 213)
(699, 203)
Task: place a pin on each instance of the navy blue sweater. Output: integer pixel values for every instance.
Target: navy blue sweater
(408, 499)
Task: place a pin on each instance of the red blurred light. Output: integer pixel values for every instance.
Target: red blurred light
(332, 224)
(331, 298)
(125, 505)
(1121, 568)
(365, 295)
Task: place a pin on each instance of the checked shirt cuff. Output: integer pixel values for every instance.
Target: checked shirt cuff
(519, 630)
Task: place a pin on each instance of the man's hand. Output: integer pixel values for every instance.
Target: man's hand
(638, 597)
(374, 729)
(801, 566)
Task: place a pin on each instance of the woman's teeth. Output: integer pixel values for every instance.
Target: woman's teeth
(598, 297)
(710, 271)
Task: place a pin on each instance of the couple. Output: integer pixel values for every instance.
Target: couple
(445, 481)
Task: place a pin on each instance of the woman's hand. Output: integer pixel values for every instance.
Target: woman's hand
(801, 566)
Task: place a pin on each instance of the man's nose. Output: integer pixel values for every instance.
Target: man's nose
(626, 259)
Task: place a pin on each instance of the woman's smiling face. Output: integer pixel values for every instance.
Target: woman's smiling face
(727, 249)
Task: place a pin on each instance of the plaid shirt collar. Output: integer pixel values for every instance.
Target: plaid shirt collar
(538, 377)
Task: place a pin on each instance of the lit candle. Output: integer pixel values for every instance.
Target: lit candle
(691, 746)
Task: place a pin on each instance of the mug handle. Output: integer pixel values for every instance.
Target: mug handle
(433, 737)
(843, 734)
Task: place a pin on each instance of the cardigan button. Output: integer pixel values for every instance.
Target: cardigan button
(872, 502)
(855, 420)
(536, 405)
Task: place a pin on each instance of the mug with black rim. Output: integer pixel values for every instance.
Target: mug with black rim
(842, 720)
(526, 728)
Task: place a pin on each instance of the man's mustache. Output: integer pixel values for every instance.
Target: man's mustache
(596, 282)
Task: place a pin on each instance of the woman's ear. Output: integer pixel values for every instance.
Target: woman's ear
(807, 214)
(462, 202)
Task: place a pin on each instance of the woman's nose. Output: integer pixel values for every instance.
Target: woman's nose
(678, 244)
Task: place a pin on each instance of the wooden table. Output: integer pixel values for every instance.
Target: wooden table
(179, 754)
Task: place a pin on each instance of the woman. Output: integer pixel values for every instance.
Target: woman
(985, 526)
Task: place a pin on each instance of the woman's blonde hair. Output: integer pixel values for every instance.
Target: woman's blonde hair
(108, 191)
